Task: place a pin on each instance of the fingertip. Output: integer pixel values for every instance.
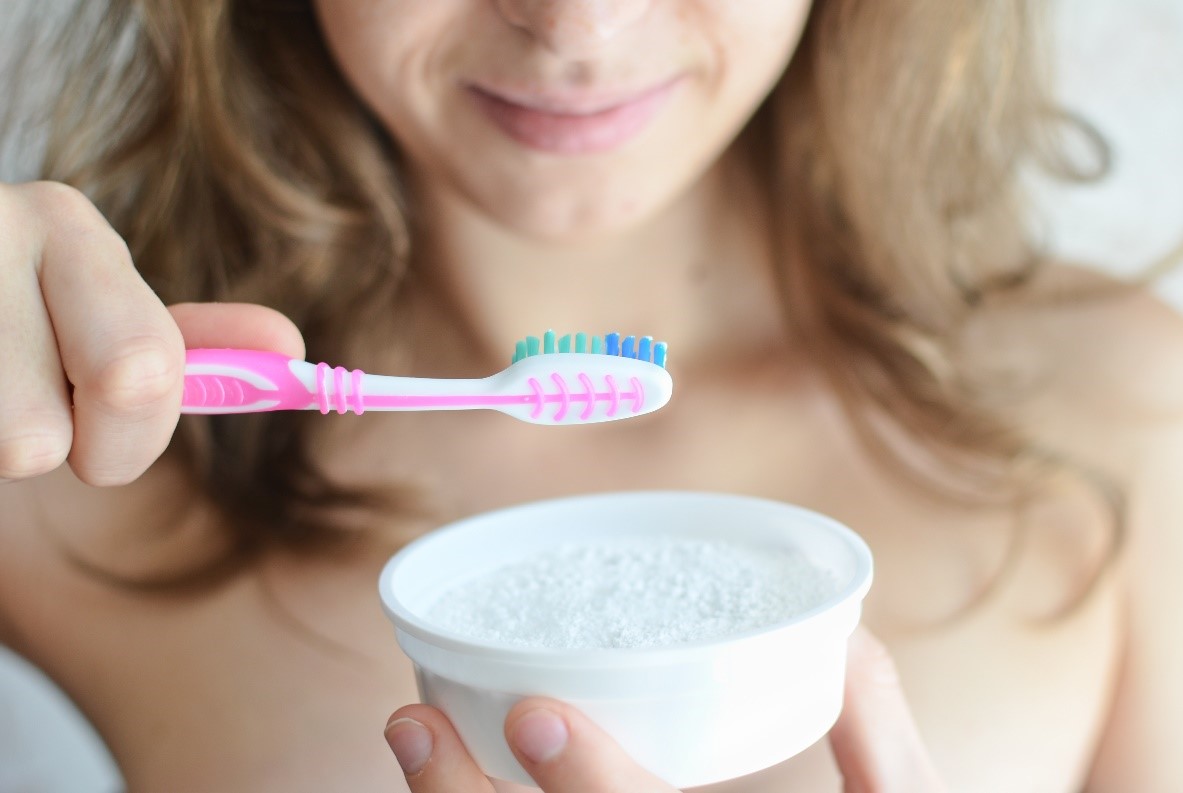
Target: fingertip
(238, 325)
(861, 644)
(862, 638)
(562, 749)
(537, 731)
(523, 706)
(424, 714)
(431, 753)
(411, 741)
(869, 658)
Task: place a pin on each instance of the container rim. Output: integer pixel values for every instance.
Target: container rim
(409, 622)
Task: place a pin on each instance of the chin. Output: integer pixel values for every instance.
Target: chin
(572, 215)
(587, 224)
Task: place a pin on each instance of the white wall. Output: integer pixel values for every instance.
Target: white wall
(45, 746)
(1121, 65)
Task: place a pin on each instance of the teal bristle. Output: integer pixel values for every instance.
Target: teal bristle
(643, 348)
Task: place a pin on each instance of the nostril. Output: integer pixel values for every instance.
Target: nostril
(515, 12)
(572, 27)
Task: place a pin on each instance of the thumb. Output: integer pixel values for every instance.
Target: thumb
(237, 325)
(875, 742)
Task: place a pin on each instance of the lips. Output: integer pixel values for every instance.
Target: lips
(572, 123)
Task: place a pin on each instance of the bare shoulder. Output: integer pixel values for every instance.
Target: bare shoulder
(1098, 361)
(1098, 370)
(53, 528)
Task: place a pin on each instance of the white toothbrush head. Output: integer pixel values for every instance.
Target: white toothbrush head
(582, 379)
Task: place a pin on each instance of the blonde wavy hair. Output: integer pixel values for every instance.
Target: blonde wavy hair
(220, 140)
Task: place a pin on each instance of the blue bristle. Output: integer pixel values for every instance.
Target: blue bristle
(642, 349)
(612, 344)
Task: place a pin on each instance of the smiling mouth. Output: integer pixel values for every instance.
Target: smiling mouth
(572, 124)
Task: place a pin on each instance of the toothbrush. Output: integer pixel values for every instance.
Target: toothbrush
(569, 380)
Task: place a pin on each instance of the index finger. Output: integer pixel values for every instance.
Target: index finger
(119, 346)
(876, 743)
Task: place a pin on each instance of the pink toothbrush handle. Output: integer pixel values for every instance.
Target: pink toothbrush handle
(596, 384)
(252, 381)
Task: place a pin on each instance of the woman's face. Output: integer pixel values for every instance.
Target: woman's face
(562, 118)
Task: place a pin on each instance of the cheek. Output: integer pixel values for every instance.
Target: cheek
(386, 50)
(403, 58)
(755, 39)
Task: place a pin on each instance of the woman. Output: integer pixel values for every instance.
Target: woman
(814, 203)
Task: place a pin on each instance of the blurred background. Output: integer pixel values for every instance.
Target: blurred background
(1119, 64)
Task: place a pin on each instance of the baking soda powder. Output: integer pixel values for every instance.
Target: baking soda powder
(634, 593)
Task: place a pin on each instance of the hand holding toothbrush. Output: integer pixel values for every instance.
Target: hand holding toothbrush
(97, 372)
(93, 361)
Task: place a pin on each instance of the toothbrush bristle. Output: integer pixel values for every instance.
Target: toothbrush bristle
(641, 349)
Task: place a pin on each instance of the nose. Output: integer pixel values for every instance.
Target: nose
(573, 28)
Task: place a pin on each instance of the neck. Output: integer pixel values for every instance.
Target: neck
(697, 274)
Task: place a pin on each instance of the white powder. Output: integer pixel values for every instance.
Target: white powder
(634, 592)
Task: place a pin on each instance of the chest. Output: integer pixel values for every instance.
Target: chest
(287, 679)
(246, 697)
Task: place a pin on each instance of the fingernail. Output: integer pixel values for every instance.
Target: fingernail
(540, 735)
(411, 743)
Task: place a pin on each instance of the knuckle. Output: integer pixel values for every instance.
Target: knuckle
(140, 374)
(32, 452)
(99, 238)
(108, 475)
(68, 213)
(58, 199)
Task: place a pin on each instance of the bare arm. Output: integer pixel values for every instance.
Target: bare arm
(92, 365)
(1110, 367)
(1140, 749)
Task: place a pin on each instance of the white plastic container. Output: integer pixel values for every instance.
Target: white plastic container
(690, 713)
